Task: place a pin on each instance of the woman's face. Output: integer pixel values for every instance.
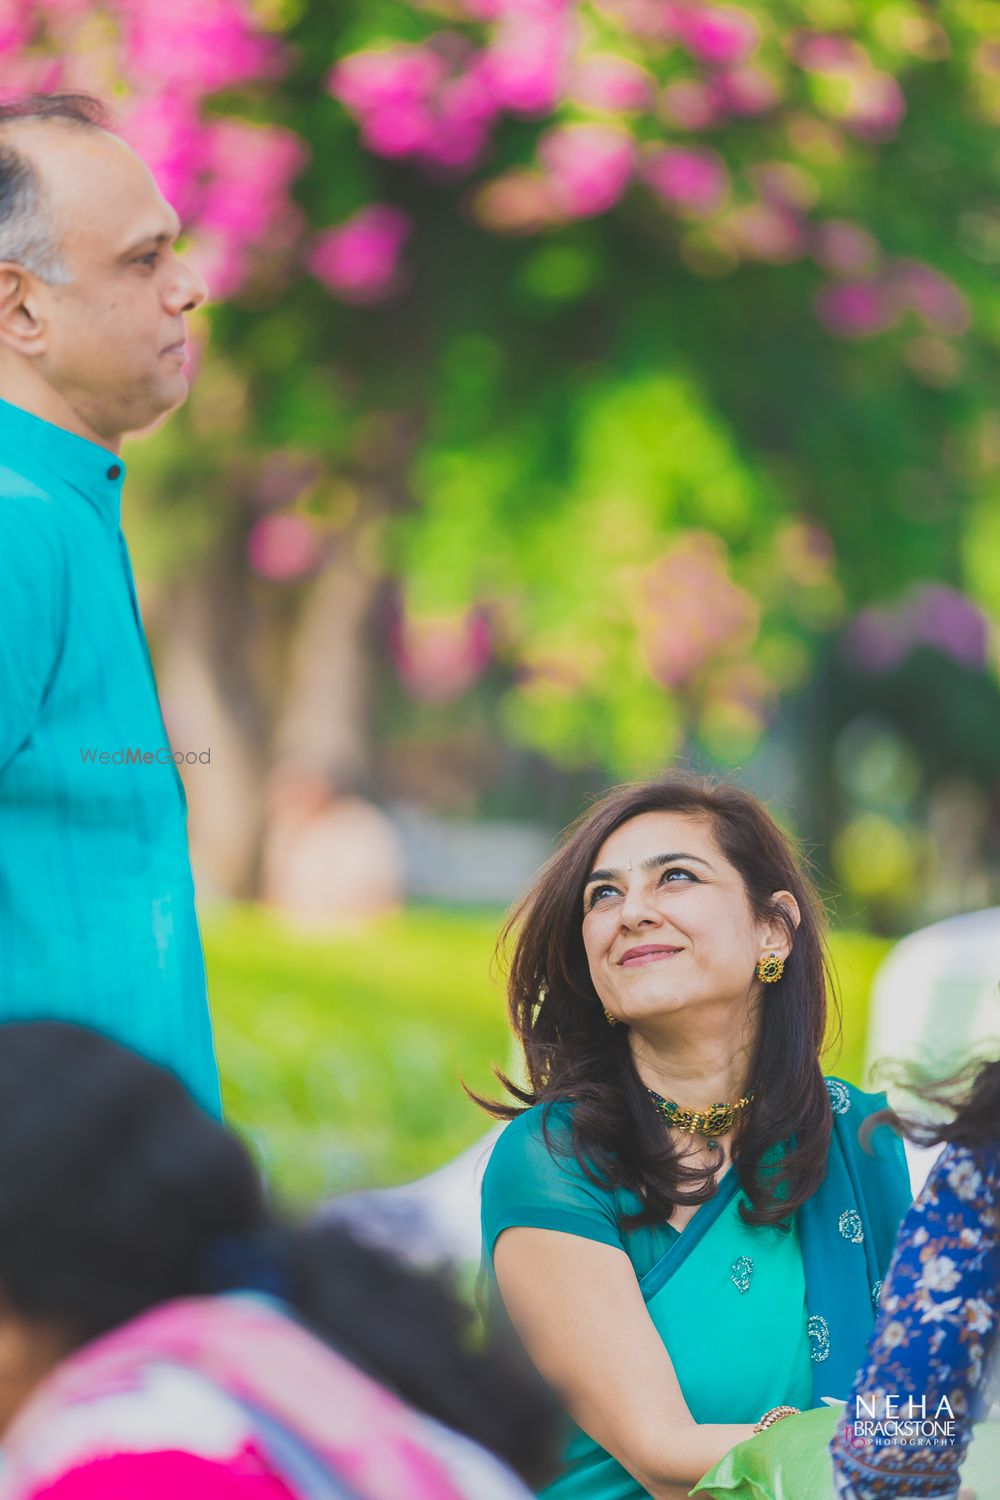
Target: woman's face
(666, 920)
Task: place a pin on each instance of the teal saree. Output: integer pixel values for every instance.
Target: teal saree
(751, 1317)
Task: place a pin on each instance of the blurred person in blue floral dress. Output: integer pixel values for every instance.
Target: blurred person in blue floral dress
(937, 1340)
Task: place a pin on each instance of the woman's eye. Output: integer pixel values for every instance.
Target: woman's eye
(150, 259)
(598, 892)
(685, 875)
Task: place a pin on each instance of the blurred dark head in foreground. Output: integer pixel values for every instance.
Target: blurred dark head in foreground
(118, 1193)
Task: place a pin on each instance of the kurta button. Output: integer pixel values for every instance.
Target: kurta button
(114, 471)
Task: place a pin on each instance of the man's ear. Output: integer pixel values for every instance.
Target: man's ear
(22, 327)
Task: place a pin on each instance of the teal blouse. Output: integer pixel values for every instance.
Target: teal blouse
(737, 1307)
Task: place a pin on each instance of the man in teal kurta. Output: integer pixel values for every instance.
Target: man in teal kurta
(97, 912)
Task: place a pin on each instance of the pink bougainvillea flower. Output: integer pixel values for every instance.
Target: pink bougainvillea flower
(208, 44)
(219, 261)
(588, 167)
(439, 657)
(650, 19)
(745, 91)
(768, 232)
(819, 53)
(987, 57)
(694, 180)
(283, 547)
(690, 612)
(386, 77)
(15, 29)
(483, 10)
(398, 129)
(875, 106)
(932, 296)
(875, 641)
(880, 638)
(464, 111)
(784, 183)
(455, 144)
(245, 209)
(715, 35)
(435, 103)
(228, 179)
(691, 104)
(252, 168)
(517, 202)
(166, 131)
(527, 62)
(496, 10)
(945, 619)
(856, 309)
(843, 248)
(359, 259)
(33, 73)
(604, 81)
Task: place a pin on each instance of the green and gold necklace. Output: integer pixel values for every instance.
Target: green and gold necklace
(718, 1119)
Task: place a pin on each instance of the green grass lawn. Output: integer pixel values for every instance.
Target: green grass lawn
(343, 1056)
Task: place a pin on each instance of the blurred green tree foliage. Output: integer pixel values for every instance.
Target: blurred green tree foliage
(617, 361)
(648, 445)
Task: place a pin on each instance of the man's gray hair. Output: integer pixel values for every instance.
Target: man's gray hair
(27, 227)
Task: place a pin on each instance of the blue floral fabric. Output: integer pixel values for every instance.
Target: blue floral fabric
(937, 1339)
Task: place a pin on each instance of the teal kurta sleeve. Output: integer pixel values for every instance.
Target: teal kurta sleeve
(530, 1183)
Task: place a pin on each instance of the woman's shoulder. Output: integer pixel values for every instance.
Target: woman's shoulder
(847, 1099)
(538, 1137)
(536, 1158)
(877, 1150)
(535, 1178)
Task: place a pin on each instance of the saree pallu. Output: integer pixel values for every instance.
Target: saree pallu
(757, 1317)
(222, 1386)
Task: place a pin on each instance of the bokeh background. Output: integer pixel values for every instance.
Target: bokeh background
(588, 388)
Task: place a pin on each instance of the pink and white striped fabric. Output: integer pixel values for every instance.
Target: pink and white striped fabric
(228, 1398)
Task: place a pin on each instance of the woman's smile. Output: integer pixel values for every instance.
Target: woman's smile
(647, 953)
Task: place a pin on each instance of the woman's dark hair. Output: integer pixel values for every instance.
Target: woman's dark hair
(117, 1192)
(572, 1053)
(969, 1100)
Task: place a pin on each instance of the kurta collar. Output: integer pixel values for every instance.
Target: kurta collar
(29, 444)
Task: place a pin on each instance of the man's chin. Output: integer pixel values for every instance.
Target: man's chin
(167, 398)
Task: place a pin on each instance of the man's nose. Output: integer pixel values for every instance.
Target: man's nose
(187, 292)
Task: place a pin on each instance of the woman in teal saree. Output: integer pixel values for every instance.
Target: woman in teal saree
(681, 1269)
